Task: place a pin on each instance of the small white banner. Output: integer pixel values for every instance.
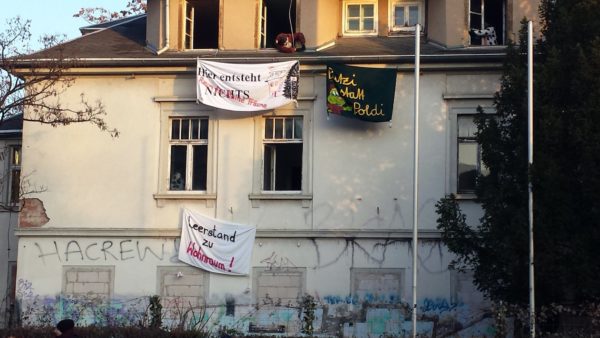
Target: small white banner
(247, 87)
(214, 245)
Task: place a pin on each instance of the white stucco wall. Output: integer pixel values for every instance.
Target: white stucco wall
(360, 178)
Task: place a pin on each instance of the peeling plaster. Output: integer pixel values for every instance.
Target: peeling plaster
(33, 213)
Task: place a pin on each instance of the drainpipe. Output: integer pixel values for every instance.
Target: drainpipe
(160, 51)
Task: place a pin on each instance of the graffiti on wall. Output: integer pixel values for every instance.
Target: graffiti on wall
(107, 250)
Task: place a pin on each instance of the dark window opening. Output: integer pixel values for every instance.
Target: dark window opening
(277, 14)
(201, 24)
(486, 19)
(188, 154)
(283, 167)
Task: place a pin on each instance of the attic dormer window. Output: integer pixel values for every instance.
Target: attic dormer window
(406, 14)
(201, 24)
(360, 17)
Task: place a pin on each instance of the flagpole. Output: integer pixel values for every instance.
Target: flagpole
(416, 180)
(530, 153)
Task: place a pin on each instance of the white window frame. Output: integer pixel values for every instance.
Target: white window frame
(186, 110)
(189, 143)
(406, 5)
(305, 194)
(273, 140)
(361, 31)
(453, 149)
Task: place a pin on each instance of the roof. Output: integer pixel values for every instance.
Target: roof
(124, 43)
(11, 127)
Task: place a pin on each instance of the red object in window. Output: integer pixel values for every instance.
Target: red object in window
(287, 43)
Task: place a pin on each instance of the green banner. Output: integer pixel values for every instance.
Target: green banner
(362, 93)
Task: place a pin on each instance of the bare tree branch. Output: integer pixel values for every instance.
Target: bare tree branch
(33, 85)
(97, 15)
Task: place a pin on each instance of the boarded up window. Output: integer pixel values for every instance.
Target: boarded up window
(91, 282)
(377, 286)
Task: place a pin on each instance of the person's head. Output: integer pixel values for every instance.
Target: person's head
(63, 326)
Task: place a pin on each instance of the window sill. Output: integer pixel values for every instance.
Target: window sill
(161, 198)
(180, 196)
(304, 198)
(465, 197)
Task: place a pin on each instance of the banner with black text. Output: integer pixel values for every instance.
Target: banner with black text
(247, 87)
(215, 245)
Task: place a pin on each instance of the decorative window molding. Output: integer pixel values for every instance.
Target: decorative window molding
(282, 156)
(465, 154)
(187, 165)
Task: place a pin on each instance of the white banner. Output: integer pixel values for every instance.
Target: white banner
(247, 87)
(214, 245)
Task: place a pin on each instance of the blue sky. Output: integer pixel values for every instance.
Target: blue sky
(52, 16)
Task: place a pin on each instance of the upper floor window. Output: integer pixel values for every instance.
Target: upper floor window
(283, 158)
(406, 14)
(469, 163)
(360, 17)
(276, 17)
(486, 22)
(201, 24)
(188, 145)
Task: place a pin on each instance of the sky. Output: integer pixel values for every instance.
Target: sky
(52, 16)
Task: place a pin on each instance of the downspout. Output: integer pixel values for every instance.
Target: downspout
(167, 14)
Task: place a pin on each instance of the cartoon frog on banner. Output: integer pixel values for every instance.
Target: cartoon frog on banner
(335, 103)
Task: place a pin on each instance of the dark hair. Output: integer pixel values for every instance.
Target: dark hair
(65, 325)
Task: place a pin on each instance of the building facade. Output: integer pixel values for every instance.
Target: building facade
(332, 202)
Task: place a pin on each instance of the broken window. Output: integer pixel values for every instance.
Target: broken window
(360, 17)
(201, 24)
(486, 22)
(188, 154)
(406, 14)
(277, 17)
(283, 154)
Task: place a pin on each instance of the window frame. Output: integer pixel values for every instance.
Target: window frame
(185, 20)
(273, 141)
(164, 166)
(14, 162)
(454, 147)
(360, 32)
(189, 143)
(406, 4)
(500, 34)
(305, 193)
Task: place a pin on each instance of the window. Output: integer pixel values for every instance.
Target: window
(360, 17)
(201, 24)
(486, 22)
(405, 15)
(277, 17)
(469, 164)
(188, 145)
(15, 174)
(282, 163)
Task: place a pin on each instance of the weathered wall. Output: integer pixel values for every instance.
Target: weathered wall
(360, 279)
(340, 274)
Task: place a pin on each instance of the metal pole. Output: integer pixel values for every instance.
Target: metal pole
(416, 180)
(530, 153)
